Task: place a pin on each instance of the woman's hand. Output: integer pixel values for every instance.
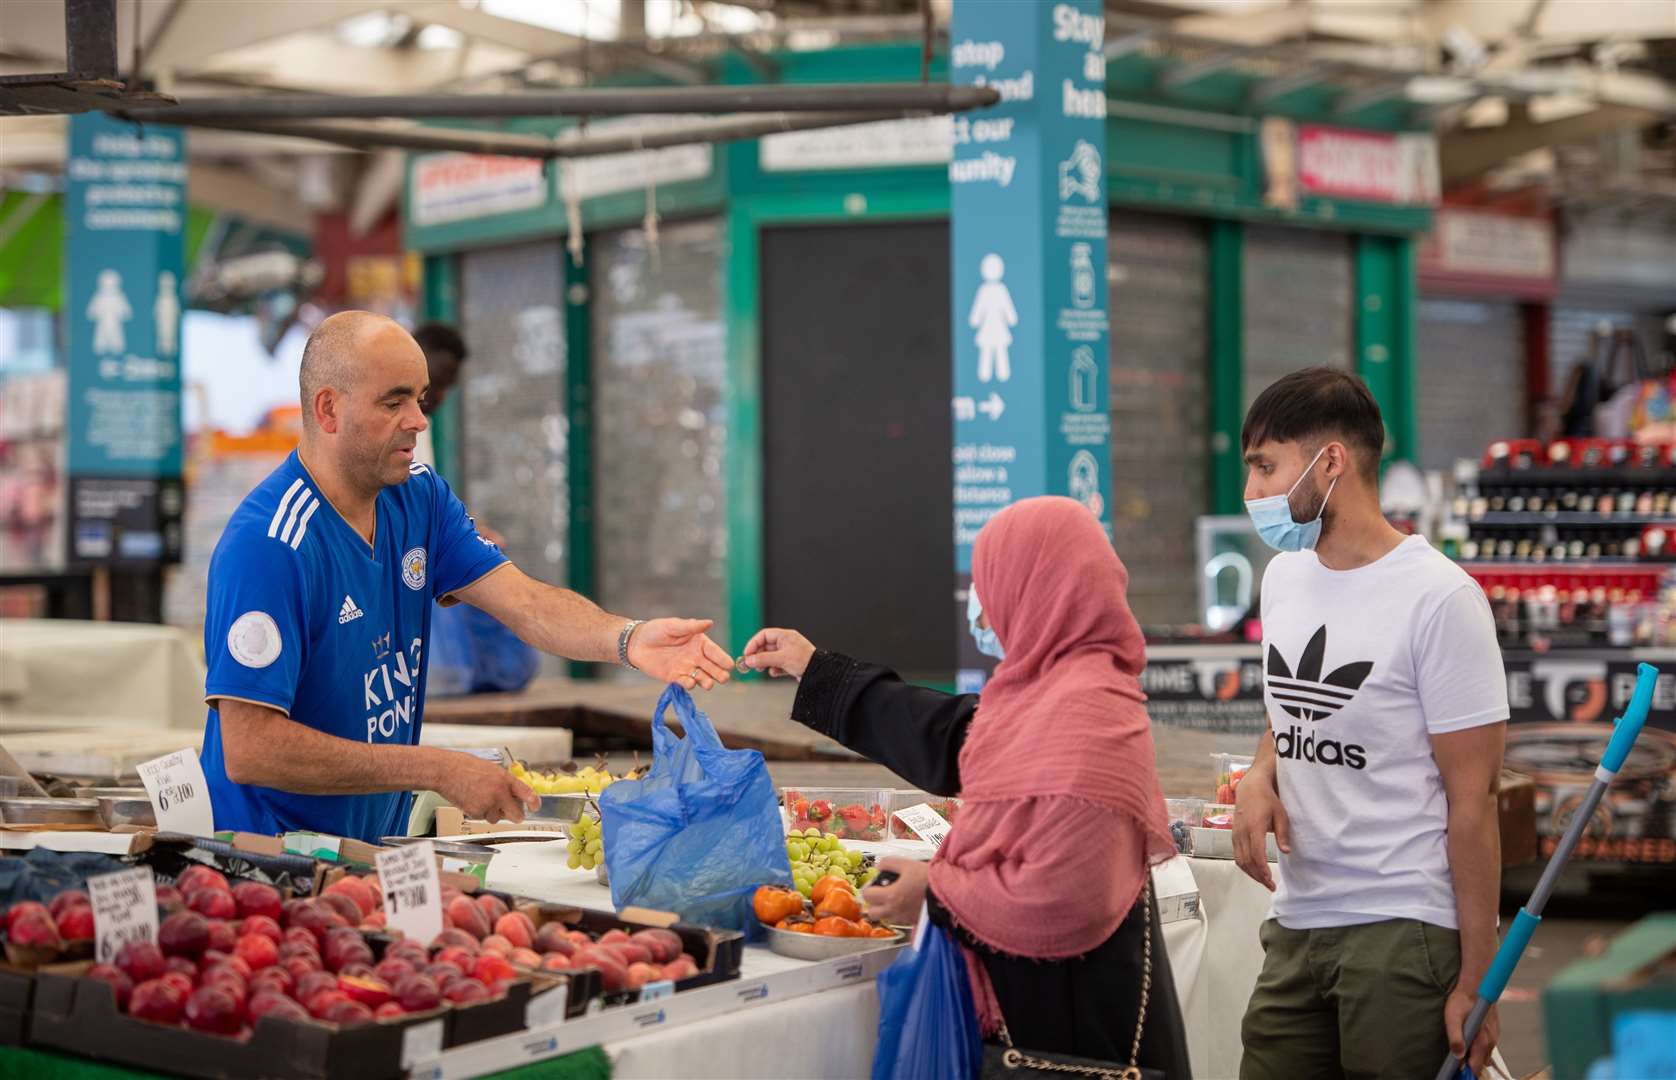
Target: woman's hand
(898, 903)
(778, 652)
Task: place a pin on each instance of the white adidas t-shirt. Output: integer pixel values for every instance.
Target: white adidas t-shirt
(1361, 668)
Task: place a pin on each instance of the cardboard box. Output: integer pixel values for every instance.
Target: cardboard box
(451, 822)
(1176, 891)
(1516, 811)
(1604, 1007)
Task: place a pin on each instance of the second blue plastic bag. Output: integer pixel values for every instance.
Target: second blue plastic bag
(700, 832)
(928, 1026)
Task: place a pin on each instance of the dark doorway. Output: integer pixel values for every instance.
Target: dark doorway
(857, 437)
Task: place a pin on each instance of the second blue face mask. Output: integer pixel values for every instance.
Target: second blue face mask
(1273, 516)
(984, 637)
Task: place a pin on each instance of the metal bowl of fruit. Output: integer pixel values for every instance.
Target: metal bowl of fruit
(561, 808)
(813, 946)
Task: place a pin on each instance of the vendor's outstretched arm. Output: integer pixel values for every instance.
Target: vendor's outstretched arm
(264, 747)
(568, 624)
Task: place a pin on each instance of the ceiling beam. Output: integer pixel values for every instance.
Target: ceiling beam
(204, 30)
(1184, 75)
(1468, 153)
(233, 191)
(1251, 29)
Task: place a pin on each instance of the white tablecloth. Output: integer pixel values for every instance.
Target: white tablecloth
(1215, 959)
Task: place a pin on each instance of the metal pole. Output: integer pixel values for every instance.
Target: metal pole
(1525, 923)
(510, 144)
(90, 38)
(608, 102)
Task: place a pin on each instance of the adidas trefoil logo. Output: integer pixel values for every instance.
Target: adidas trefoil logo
(349, 612)
(1309, 696)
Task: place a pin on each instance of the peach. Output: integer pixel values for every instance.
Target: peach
(180, 981)
(184, 966)
(664, 944)
(66, 900)
(121, 985)
(185, 934)
(640, 974)
(264, 925)
(257, 951)
(344, 907)
(517, 928)
(213, 903)
(273, 978)
(76, 924)
(496, 944)
(367, 989)
(24, 907)
(493, 906)
(464, 915)
(275, 1004)
(460, 938)
(313, 983)
(526, 958)
(222, 935)
(388, 1011)
(552, 938)
(157, 1000)
(212, 1008)
(200, 877)
(358, 891)
(34, 929)
(322, 1002)
(466, 992)
(255, 898)
(141, 961)
(492, 969)
(555, 961)
(418, 993)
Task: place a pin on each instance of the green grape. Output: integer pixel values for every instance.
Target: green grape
(812, 833)
(575, 860)
(798, 852)
(854, 858)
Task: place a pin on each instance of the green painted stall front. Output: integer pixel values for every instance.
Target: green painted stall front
(1186, 182)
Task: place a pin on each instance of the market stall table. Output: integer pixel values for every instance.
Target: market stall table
(832, 1032)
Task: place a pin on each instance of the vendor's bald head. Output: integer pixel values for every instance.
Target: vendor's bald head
(362, 379)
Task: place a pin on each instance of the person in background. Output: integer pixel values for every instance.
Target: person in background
(1378, 777)
(1041, 879)
(319, 613)
(445, 353)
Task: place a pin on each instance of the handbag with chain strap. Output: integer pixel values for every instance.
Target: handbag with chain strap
(1008, 1062)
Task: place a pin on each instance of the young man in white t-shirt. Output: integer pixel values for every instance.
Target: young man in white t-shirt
(1387, 707)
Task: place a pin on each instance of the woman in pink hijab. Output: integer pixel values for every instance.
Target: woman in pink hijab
(1041, 878)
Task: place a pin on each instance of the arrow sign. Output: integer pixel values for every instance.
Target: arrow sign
(993, 407)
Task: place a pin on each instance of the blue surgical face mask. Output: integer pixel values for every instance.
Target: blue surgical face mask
(987, 642)
(1273, 517)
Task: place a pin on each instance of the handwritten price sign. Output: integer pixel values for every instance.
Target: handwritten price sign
(926, 823)
(179, 793)
(124, 910)
(412, 894)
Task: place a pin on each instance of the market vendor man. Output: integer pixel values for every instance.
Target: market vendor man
(319, 606)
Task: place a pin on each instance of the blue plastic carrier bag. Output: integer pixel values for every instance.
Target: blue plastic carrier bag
(928, 1025)
(700, 832)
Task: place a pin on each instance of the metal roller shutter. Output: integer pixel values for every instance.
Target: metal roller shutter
(659, 380)
(1471, 373)
(1159, 393)
(1298, 307)
(514, 445)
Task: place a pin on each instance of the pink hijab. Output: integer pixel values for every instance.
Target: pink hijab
(1063, 815)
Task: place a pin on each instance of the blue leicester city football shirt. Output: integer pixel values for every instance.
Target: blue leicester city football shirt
(305, 617)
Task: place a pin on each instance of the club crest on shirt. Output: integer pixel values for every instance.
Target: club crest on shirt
(413, 568)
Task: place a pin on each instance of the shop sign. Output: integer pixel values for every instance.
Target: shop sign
(1369, 166)
(1028, 198)
(924, 140)
(125, 256)
(608, 174)
(459, 187)
(1478, 243)
(1209, 691)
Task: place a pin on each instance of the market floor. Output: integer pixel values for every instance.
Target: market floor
(1562, 938)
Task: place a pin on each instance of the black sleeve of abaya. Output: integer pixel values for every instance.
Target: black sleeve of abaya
(914, 732)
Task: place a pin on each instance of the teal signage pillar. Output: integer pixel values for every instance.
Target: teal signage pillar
(125, 261)
(1028, 191)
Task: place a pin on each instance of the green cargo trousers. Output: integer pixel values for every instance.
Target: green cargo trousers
(1358, 1002)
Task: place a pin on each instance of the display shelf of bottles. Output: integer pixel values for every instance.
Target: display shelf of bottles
(1574, 542)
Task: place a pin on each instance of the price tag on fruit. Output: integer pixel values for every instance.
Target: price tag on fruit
(546, 1010)
(412, 895)
(179, 793)
(926, 823)
(124, 910)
